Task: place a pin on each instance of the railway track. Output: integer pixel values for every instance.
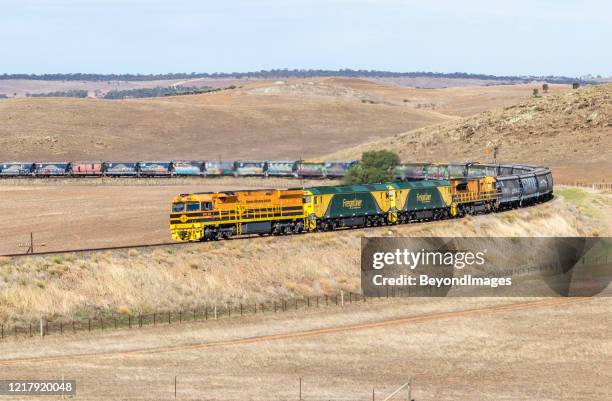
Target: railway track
(162, 244)
(492, 310)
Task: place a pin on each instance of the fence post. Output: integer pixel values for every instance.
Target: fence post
(317, 301)
(140, 319)
(241, 312)
(217, 316)
(88, 324)
(2, 330)
(154, 318)
(46, 327)
(206, 312)
(296, 304)
(229, 311)
(169, 318)
(61, 328)
(42, 332)
(129, 321)
(101, 323)
(326, 301)
(73, 327)
(274, 306)
(115, 321)
(308, 301)
(194, 315)
(30, 329)
(180, 317)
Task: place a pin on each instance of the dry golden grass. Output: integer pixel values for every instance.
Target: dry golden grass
(546, 353)
(241, 270)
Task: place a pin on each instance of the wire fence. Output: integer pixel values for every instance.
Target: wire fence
(59, 326)
(598, 185)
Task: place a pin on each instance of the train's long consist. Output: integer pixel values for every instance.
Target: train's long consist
(177, 168)
(481, 188)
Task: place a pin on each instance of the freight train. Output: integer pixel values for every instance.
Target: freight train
(215, 215)
(177, 168)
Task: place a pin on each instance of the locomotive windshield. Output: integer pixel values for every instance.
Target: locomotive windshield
(193, 206)
(178, 207)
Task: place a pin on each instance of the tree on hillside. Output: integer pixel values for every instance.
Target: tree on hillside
(375, 166)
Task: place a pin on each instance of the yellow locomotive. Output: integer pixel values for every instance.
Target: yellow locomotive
(214, 215)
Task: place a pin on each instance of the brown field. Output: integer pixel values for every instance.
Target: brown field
(100, 213)
(468, 349)
(286, 119)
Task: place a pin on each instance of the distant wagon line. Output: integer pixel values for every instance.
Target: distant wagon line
(249, 168)
(178, 168)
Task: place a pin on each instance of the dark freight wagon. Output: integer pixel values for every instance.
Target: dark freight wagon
(16, 169)
(311, 169)
(457, 170)
(250, 168)
(338, 169)
(120, 169)
(187, 168)
(154, 168)
(409, 172)
(47, 169)
(529, 188)
(509, 188)
(282, 168)
(218, 167)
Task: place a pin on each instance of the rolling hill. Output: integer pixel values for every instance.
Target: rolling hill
(298, 118)
(570, 131)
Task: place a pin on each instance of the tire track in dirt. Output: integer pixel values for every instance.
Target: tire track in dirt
(303, 334)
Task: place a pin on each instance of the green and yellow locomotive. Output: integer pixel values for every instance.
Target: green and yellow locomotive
(205, 216)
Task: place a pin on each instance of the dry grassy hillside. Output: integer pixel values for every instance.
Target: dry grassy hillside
(229, 124)
(245, 270)
(570, 131)
(285, 119)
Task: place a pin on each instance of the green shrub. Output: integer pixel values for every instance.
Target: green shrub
(375, 166)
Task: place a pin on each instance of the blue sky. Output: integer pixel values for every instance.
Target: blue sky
(521, 37)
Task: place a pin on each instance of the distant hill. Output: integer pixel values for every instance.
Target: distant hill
(569, 130)
(294, 73)
(288, 119)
